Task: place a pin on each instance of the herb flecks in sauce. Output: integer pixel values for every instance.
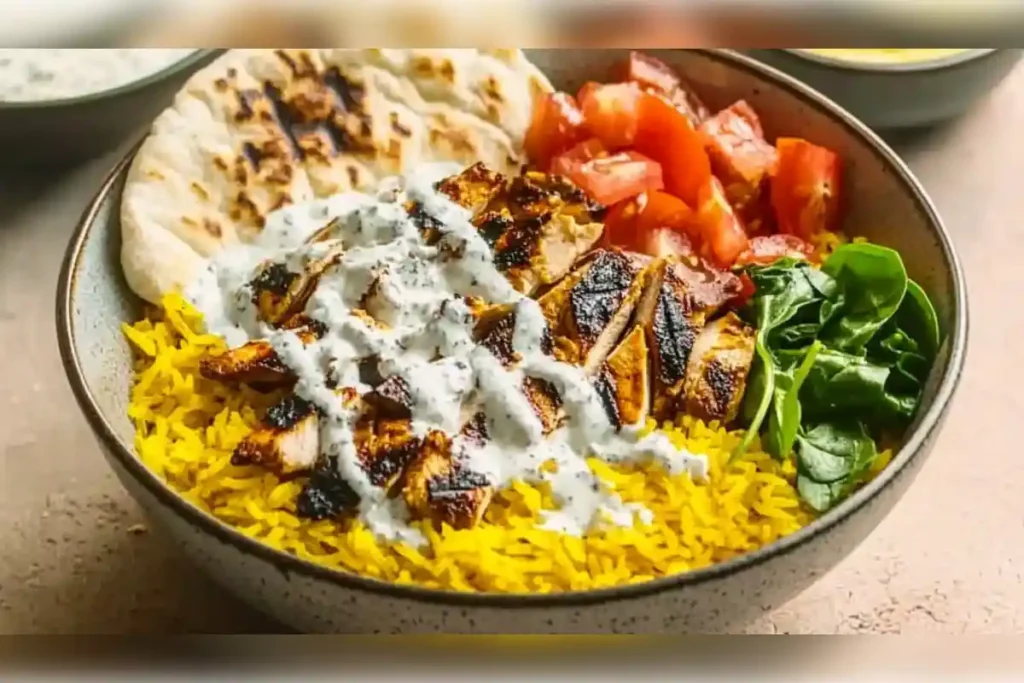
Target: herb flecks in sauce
(414, 272)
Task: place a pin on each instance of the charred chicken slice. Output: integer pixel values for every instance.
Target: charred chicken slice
(622, 382)
(474, 188)
(287, 441)
(326, 494)
(385, 443)
(256, 362)
(494, 331)
(679, 297)
(538, 227)
(591, 307)
(716, 374)
(440, 486)
(537, 224)
(280, 293)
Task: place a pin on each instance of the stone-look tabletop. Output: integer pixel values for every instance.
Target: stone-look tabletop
(75, 558)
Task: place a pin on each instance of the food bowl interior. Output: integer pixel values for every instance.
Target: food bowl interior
(876, 202)
(880, 206)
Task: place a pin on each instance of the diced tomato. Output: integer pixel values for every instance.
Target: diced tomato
(665, 242)
(610, 113)
(757, 214)
(620, 223)
(564, 163)
(649, 72)
(667, 136)
(665, 211)
(722, 234)
(805, 190)
(611, 179)
(656, 77)
(771, 248)
(747, 290)
(739, 155)
(585, 91)
(639, 224)
(557, 125)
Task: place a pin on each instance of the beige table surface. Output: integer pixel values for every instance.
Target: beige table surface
(948, 559)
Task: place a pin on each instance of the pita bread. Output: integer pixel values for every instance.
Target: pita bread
(257, 130)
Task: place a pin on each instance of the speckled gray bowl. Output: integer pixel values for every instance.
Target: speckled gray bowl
(887, 205)
(898, 96)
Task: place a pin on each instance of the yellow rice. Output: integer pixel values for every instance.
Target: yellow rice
(187, 427)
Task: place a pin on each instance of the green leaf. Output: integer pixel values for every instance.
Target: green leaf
(873, 282)
(918, 318)
(767, 386)
(832, 458)
(841, 353)
(784, 423)
(786, 291)
(840, 383)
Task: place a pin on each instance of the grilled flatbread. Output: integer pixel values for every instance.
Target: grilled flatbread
(261, 129)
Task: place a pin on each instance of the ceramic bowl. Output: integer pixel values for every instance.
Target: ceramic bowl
(887, 205)
(66, 131)
(897, 96)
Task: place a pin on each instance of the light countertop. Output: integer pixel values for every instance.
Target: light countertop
(76, 558)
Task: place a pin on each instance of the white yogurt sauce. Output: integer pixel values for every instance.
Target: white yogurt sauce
(33, 75)
(419, 292)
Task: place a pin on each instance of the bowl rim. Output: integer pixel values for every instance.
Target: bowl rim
(925, 65)
(284, 562)
(194, 58)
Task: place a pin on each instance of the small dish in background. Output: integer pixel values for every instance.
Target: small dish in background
(83, 124)
(898, 90)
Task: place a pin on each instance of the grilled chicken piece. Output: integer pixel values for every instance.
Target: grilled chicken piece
(385, 446)
(679, 296)
(494, 331)
(716, 375)
(257, 363)
(537, 224)
(383, 433)
(326, 494)
(391, 398)
(280, 293)
(473, 188)
(288, 440)
(622, 382)
(590, 308)
(439, 485)
(546, 402)
(538, 227)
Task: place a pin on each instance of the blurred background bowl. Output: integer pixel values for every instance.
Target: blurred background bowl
(66, 131)
(890, 95)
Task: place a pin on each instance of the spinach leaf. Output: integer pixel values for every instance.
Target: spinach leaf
(917, 317)
(873, 282)
(787, 290)
(893, 347)
(760, 390)
(784, 420)
(841, 353)
(831, 460)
